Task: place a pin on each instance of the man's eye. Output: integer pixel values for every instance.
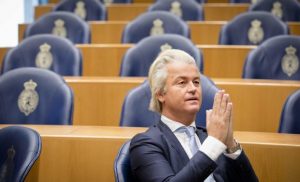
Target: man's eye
(181, 83)
(196, 82)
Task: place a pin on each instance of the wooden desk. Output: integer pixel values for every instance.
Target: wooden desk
(257, 103)
(152, 1)
(110, 32)
(84, 153)
(105, 59)
(125, 12)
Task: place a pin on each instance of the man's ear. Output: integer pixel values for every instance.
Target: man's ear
(160, 96)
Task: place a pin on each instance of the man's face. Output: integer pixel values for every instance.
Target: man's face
(182, 99)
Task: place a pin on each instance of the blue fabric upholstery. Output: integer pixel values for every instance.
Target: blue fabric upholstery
(191, 10)
(54, 103)
(138, 59)
(290, 116)
(235, 32)
(135, 110)
(290, 8)
(20, 148)
(95, 10)
(241, 1)
(118, 1)
(140, 27)
(122, 168)
(66, 57)
(78, 31)
(265, 62)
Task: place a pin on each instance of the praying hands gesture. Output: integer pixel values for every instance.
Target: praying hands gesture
(219, 119)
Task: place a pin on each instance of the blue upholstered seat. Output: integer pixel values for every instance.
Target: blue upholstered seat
(115, 1)
(154, 23)
(290, 115)
(63, 24)
(135, 110)
(87, 10)
(45, 51)
(187, 10)
(287, 10)
(20, 147)
(34, 96)
(276, 58)
(252, 28)
(122, 168)
(138, 59)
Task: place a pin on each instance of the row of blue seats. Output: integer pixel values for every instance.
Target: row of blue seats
(38, 96)
(276, 58)
(188, 10)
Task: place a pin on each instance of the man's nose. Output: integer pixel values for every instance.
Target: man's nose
(191, 87)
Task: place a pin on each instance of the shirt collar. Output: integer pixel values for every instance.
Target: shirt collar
(174, 125)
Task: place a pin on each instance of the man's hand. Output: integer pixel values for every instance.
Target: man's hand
(219, 119)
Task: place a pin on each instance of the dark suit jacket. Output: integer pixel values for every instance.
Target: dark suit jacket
(157, 155)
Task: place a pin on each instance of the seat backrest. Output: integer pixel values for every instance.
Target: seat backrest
(187, 10)
(87, 10)
(20, 148)
(115, 1)
(286, 10)
(122, 168)
(45, 51)
(154, 23)
(290, 116)
(252, 28)
(135, 110)
(63, 24)
(34, 96)
(276, 58)
(138, 59)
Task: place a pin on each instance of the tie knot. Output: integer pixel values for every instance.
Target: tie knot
(189, 130)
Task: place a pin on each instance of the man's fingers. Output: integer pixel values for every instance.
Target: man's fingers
(228, 112)
(223, 104)
(217, 101)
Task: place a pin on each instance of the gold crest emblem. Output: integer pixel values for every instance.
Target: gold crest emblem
(59, 28)
(255, 33)
(164, 47)
(157, 28)
(28, 99)
(290, 62)
(44, 58)
(176, 9)
(277, 10)
(80, 10)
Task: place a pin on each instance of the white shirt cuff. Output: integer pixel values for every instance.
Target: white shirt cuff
(234, 155)
(212, 147)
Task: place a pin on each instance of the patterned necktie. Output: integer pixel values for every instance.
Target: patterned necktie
(190, 131)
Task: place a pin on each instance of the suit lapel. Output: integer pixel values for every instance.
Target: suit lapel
(173, 141)
(201, 133)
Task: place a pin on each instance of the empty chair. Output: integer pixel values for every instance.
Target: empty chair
(290, 116)
(277, 58)
(34, 96)
(252, 28)
(152, 24)
(286, 10)
(135, 110)
(138, 59)
(20, 148)
(45, 51)
(187, 10)
(63, 24)
(122, 168)
(86, 9)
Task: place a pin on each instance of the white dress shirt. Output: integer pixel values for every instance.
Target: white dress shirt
(211, 146)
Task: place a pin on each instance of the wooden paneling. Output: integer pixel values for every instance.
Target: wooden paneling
(257, 103)
(84, 153)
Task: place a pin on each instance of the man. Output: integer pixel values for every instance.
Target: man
(169, 151)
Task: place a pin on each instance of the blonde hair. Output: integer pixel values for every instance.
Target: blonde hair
(158, 73)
